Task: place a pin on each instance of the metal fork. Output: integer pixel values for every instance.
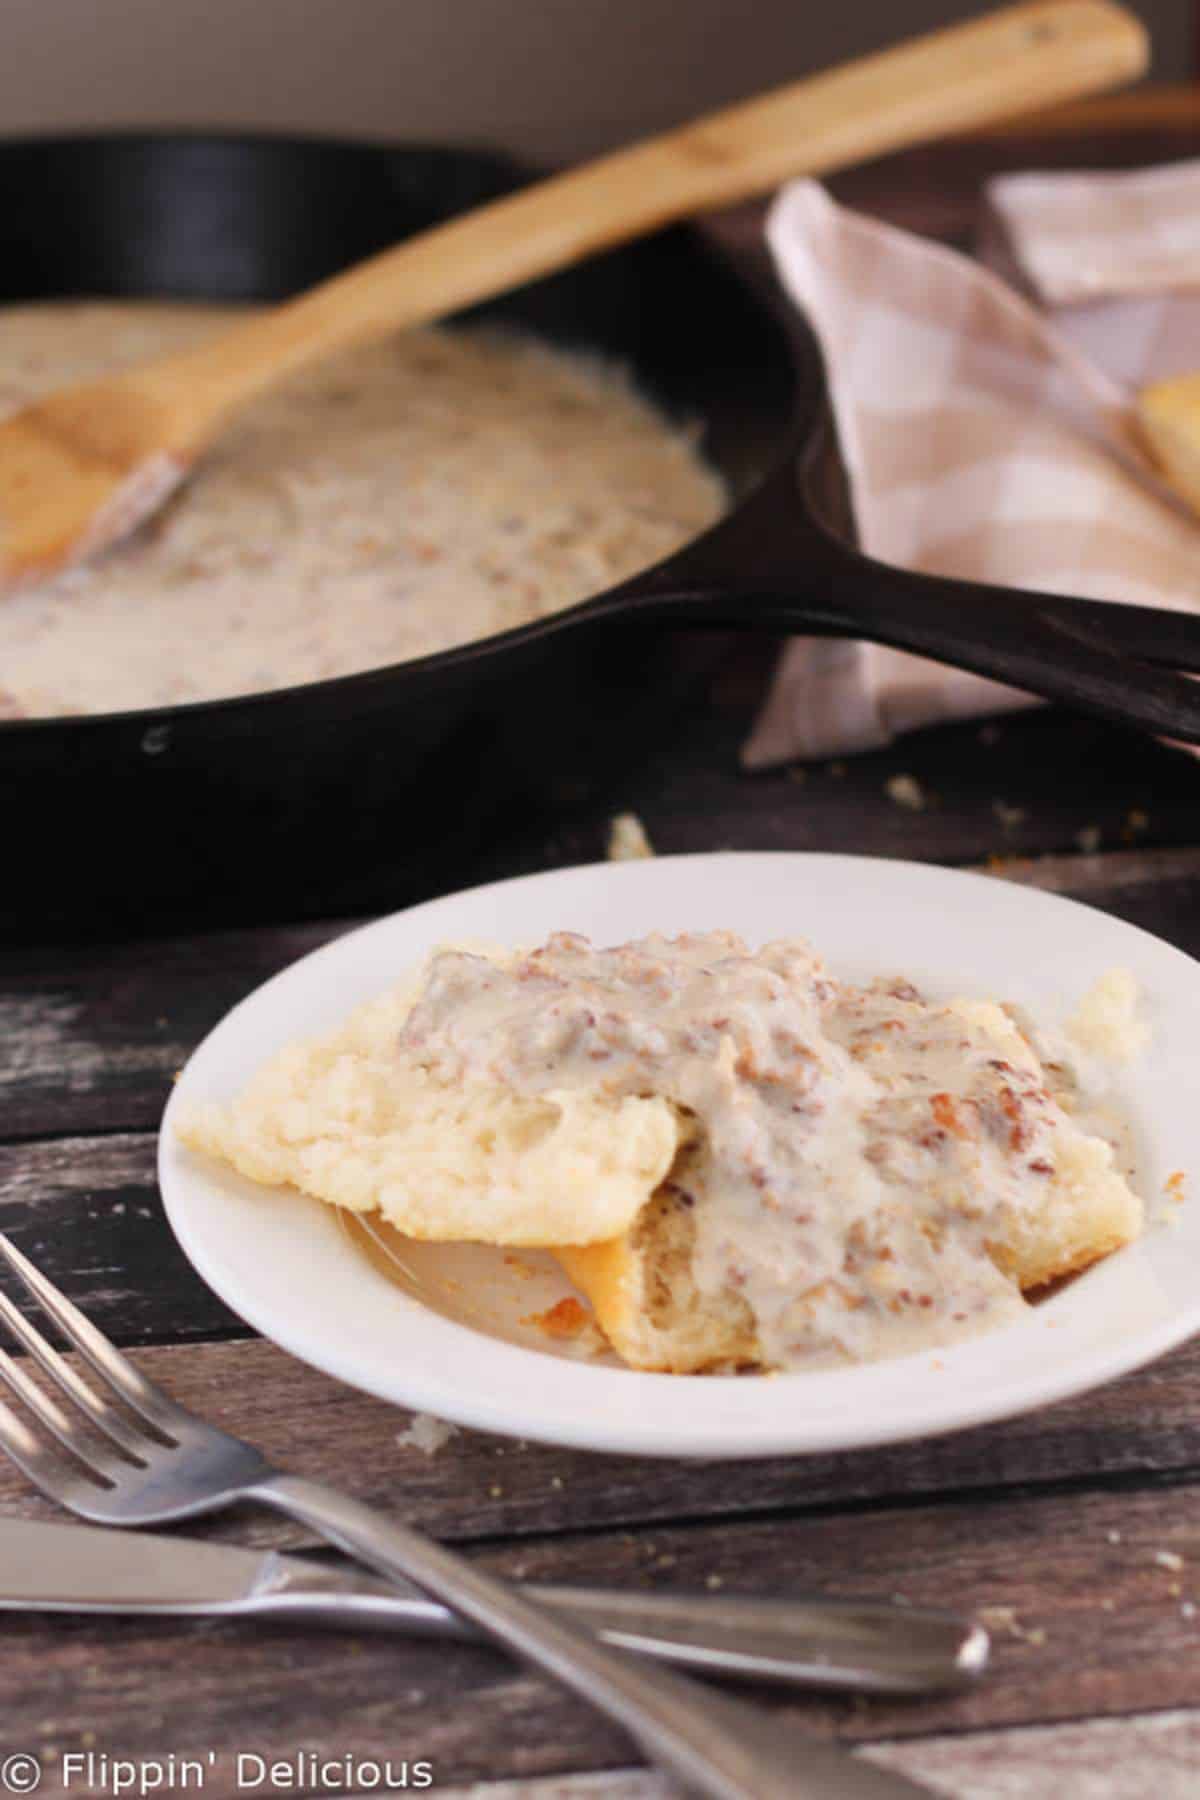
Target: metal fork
(135, 1457)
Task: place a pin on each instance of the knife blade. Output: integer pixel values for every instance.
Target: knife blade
(871, 1646)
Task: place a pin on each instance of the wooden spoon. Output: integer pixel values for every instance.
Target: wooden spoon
(85, 466)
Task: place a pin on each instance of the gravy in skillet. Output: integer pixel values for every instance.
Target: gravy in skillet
(398, 500)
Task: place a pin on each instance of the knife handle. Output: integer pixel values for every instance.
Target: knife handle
(870, 1646)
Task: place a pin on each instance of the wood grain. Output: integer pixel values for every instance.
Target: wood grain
(91, 1035)
(1110, 1759)
(985, 790)
(1043, 1570)
(87, 1210)
(1143, 1429)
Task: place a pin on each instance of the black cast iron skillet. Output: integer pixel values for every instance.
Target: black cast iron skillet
(363, 791)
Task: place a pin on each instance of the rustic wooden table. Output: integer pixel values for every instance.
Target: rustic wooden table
(1056, 1520)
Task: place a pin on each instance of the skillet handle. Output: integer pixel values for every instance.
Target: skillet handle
(770, 566)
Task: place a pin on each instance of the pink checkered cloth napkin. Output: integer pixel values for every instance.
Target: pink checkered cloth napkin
(985, 430)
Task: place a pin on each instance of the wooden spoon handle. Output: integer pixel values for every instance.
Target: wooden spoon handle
(1017, 59)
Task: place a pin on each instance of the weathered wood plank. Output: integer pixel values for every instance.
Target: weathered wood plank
(986, 788)
(1140, 1430)
(90, 1036)
(1084, 1627)
(610, 1784)
(1113, 876)
(1150, 1754)
(88, 1211)
(1090, 1759)
(1158, 890)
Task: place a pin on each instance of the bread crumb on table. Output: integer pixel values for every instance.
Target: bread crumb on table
(907, 791)
(1004, 1618)
(426, 1434)
(1168, 1559)
(627, 839)
(997, 1618)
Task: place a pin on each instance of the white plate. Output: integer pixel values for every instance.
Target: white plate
(454, 1344)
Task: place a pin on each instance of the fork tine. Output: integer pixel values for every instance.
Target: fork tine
(118, 1429)
(45, 1468)
(106, 1361)
(51, 1417)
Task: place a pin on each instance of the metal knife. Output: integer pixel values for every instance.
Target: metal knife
(871, 1646)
